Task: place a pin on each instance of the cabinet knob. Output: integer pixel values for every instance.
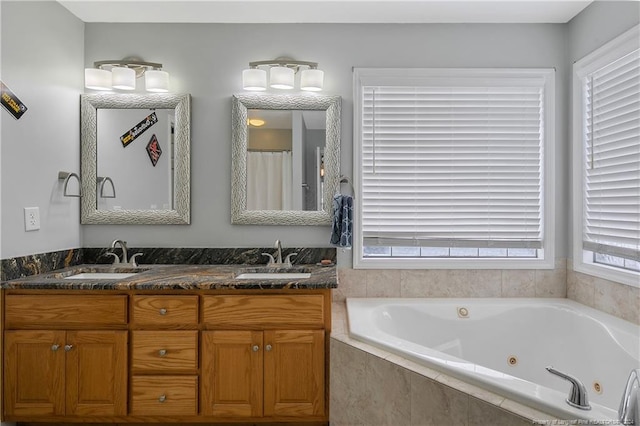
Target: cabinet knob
(268, 348)
(162, 352)
(67, 348)
(162, 398)
(163, 311)
(255, 348)
(55, 347)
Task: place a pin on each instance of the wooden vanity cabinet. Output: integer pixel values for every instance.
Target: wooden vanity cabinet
(52, 368)
(177, 357)
(264, 356)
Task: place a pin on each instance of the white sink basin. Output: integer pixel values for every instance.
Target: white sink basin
(273, 276)
(100, 276)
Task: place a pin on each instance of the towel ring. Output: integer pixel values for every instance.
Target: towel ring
(67, 176)
(345, 179)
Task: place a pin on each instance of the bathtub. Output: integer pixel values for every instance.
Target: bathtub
(504, 345)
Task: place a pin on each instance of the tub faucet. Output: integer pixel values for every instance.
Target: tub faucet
(629, 411)
(578, 394)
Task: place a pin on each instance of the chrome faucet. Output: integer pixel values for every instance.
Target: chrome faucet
(277, 261)
(125, 257)
(578, 395)
(629, 411)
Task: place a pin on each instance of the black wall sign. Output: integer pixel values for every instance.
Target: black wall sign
(154, 151)
(11, 103)
(138, 129)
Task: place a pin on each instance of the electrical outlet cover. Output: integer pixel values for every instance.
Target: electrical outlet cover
(31, 218)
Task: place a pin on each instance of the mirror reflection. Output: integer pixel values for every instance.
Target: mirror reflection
(285, 159)
(313, 181)
(135, 150)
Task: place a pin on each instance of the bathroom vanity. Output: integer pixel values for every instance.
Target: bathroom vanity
(171, 344)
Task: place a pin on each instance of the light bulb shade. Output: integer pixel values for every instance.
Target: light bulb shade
(254, 79)
(312, 80)
(97, 79)
(156, 81)
(123, 78)
(281, 78)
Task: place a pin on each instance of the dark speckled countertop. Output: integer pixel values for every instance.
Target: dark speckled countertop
(177, 277)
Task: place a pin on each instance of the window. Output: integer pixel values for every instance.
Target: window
(607, 161)
(450, 168)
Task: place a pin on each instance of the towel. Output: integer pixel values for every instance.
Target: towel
(342, 225)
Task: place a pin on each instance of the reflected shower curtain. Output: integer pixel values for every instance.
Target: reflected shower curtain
(269, 180)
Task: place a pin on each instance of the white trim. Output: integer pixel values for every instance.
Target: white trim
(616, 48)
(533, 76)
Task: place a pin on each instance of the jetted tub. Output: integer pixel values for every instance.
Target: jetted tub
(504, 346)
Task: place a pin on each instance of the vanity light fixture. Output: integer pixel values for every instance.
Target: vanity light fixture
(282, 75)
(122, 74)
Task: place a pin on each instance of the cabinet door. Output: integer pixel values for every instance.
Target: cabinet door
(34, 373)
(97, 373)
(294, 373)
(232, 373)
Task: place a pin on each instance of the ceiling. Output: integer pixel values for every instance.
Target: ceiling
(326, 11)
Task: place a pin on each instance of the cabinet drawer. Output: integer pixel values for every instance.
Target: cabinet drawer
(263, 311)
(164, 395)
(165, 310)
(65, 310)
(170, 351)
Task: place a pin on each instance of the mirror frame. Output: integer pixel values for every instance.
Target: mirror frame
(89, 213)
(244, 102)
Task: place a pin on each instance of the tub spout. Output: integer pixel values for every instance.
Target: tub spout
(629, 411)
(578, 394)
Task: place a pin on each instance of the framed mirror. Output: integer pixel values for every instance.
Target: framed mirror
(135, 159)
(286, 165)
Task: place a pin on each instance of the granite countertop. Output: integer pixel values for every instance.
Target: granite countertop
(176, 277)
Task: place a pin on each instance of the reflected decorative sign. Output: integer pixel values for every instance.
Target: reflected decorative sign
(138, 129)
(154, 151)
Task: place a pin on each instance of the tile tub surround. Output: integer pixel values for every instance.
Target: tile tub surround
(46, 262)
(616, 299)
(370, 386)
(452, 282)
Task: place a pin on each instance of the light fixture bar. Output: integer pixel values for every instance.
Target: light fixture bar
(289, 63)
(127, 63)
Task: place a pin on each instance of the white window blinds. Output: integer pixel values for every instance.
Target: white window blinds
(612, 161)
(453, 166)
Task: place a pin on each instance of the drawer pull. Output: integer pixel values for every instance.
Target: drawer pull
(255, 348)
(163, 311)
(162, 398)
(67, 348)
(55, 347)
(268, 348)
(162, 352)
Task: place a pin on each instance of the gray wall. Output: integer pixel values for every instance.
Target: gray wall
(42, 61)
(206, 60)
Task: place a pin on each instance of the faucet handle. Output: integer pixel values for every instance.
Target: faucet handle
(116, 259)
(271, 259)
(132, 259)
(287, 260)
(578, 395)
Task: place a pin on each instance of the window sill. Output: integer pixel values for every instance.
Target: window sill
(609, 273)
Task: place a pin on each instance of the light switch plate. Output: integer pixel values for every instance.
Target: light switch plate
(31, 218)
